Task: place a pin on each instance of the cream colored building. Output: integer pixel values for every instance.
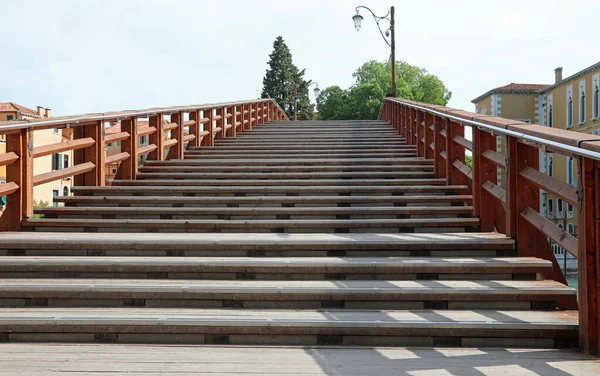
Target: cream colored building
(45, 192)
(571, 103)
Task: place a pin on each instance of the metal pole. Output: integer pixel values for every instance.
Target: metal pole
(295, 103)
(393, 31)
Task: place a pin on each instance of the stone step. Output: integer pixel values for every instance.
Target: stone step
(218, 162)
(253, 294)
(301, 148)
(188, 179)
(257, 245)
(160, 190)
(187, 171)
(266, 144)
(333, 212)
(275, 268)
(306, 155)
(194, 165)
(219, 225)
(257, 201)
(455, 328)
(320, 150)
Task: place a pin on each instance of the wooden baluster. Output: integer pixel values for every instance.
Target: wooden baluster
(484, 204)
(512, 174)
(251, 115)
(176, 151)
(440, 145)
(420, 132)
(455, 152)
(157, 138)
(195, 129)
(128, 168)
(95, 154)
(589, 255)
(220, 123)
(19, 204)
(243, 117)
(406, 122)
(233, 121)
(209, 139)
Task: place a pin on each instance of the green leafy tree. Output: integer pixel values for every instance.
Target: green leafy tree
(372, 82)
(281, 80)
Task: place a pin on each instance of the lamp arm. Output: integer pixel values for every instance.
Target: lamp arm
(378, 20)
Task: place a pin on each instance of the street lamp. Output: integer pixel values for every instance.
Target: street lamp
(317, 91)
(357, 18)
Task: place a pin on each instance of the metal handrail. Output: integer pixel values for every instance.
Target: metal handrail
(23, 124)
(502, 131)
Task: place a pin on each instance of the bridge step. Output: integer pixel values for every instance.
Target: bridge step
(507, 295)
(183, 180)
(487, 328)
(275, 268)
(178, 173)
(284, 225)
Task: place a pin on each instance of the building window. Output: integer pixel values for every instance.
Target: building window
(65, 191)
(142, 140)
(56, 159)
(570, 177)
(55, 130)
(550, 168)
(550, 116)
(109, 144)
(559, 208)
(9, 117)
(571, 229)
(54, 194)
(66, 161)
(118, 144)
(582, 108)
(596, 104)
(570, 112)
(569, 211)
(550, 207)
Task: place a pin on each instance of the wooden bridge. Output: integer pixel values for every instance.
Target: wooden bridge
(245, 228)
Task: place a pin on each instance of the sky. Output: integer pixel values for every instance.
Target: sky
(99, 56)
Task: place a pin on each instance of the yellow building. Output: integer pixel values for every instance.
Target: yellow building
(571, 103)
(41, 193)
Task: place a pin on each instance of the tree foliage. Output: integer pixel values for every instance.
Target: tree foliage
(372, 82)
(282, 78)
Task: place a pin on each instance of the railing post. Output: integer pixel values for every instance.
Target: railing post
(419, 133)
(195, 129)
(19, 204)
(95, 154)
(220, 123)
(455, 152)
(484, 204)
(440, 145)
(176, 151)
(405, 127)
(157, 138)
(209, 139)
(128, 168)
(589, 256)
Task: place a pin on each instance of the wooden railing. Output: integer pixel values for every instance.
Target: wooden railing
(439, 133)
(204, 124)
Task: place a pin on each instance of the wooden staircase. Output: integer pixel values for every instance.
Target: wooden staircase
(294, 233)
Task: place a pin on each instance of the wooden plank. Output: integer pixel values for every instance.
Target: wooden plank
(550, 184)
(116, 137)
(189, 137)
(63, 173)
(560, 236)
(170, 143)
(8, 188)
(60, 147)
(146, 149)
(443, 154)
(495, 157)
(189, 123)
(443, 133)
(146, 131)
(116, 158)
(463, 142)
(8, 158)
(170, 126)
(157, 138)
(589, 257)
(463, 168)
(495, 191)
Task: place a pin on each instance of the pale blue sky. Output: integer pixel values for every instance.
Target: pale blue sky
(96, 56)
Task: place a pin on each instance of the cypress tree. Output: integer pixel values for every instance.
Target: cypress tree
(281, 79)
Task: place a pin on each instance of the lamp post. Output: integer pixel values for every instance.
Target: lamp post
(392, 43)
(316, 90)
